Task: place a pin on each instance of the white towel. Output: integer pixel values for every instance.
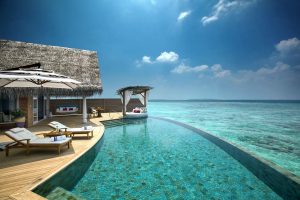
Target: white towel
(58, 138)
(61, 137)
(87, 128)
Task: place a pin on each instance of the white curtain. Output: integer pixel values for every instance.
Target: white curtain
(121, 98)
(147, 96)
(141, 97)
(127, 95)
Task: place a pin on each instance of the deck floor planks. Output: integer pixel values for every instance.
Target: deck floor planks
(20, 172)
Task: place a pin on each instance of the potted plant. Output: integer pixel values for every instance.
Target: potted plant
(19, 117)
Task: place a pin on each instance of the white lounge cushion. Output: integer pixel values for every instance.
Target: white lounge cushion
(82, 129)
(48, 140)
(16, 130)
(135, 115)
(21, 134)
(58, 138)
(60, 126)
(55, 124)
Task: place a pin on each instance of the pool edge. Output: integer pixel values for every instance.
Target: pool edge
(67, 164)
(268, 172)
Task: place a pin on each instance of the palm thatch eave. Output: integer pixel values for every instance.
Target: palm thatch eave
(135, 89)
(80, 91)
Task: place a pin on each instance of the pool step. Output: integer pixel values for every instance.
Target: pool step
(62, 194)
(113, 123)
(120, 122)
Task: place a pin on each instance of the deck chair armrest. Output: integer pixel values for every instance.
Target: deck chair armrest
(64, 129)
(40, 134)
(68, 133)
(24, 140)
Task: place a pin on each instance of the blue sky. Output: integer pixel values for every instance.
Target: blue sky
(185, 49)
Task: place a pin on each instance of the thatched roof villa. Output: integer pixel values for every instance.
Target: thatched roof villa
(81, 65)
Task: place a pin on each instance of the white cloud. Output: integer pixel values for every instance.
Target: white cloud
(223, 73)
(287, 46)
(206, 20)
(219, 72)
(216, 70)
(200, 68)
(181, 69)
(287, 51)
(146, 59)
(279, 67)
(224, 7)
(164, 57)
(185, 69)
(251, 75)
(216, 67)
(263, 73)
(183, 15)
(167, 57)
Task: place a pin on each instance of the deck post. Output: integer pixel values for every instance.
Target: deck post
(18, 102)
(145, 102)
(124, 105)
(48, 106)
(84, 110)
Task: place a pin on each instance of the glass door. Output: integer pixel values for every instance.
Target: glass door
(35, 110)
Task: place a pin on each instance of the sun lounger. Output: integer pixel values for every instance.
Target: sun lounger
(23, 138)
(83, 130)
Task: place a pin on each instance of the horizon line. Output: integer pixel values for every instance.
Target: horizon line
(224, 99)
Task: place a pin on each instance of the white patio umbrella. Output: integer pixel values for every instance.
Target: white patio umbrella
(32, 81)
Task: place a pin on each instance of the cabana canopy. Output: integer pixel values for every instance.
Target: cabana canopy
(126, 92)
(135, 89)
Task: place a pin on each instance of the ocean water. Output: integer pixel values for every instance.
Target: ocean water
(155, 159)
(269, 129)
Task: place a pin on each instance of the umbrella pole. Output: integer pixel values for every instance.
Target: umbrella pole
(84, 110)
(48, 106)
(18, 102)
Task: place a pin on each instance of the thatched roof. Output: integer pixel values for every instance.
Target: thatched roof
(81, 65)
(135, 89)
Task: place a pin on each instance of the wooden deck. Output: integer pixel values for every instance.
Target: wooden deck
(19, 172)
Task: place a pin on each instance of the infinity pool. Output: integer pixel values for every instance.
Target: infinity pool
(154, 159)
(268, 129)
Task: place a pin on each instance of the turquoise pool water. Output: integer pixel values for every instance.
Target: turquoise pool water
(154, 159)
(268, 129)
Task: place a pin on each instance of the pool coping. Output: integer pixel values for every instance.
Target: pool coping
(270, 173)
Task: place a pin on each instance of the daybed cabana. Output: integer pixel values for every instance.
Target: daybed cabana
(143, 94)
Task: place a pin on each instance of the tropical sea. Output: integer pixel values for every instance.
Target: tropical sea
(269, 129)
